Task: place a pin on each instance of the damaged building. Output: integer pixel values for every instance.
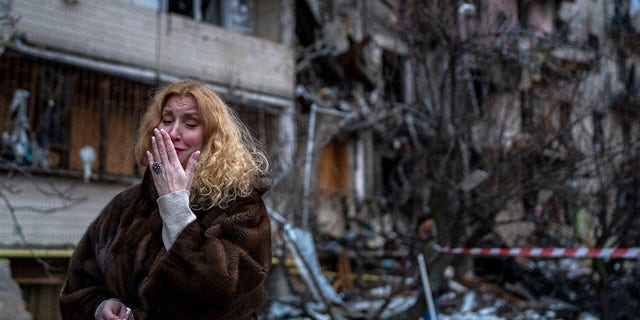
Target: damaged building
(75, 79)
(506, 124)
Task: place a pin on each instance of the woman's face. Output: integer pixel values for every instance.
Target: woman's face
(180, 118)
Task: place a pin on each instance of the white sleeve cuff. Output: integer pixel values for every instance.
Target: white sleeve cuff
(176, 215)
(98, 313)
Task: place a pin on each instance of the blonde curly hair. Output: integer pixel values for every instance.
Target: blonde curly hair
(230, 161)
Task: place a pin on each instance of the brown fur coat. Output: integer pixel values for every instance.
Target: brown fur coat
(214, 270)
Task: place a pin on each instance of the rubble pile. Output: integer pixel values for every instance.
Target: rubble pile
(330, 281)
(544, 289)
(12, 306)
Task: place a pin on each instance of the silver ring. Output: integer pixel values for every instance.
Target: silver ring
(156, 167)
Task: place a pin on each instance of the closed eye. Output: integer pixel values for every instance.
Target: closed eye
(167, 119)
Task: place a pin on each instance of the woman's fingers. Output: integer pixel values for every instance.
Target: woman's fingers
(155, 148)
(150, 157)
(169, 148)
(161, 146)
(191, 167)
(153, 165)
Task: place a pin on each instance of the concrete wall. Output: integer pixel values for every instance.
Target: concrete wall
(121, 32)
(60, 228)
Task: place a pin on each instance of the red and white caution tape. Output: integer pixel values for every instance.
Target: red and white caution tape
(601, 253)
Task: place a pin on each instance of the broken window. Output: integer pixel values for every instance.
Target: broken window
(626, 136)
(234, 15)
(593, 42)
(621, 65)
(523, 13)
(479, 89)
(561, 28)
(598, 132)
(183, 7)
(51, 116)
(526, 112)
(393, 75)
(68, 109)
(565, 122)
(333, 170)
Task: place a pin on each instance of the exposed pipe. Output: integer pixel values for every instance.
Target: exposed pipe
(307, 166)
(427, 287)
(40, 253)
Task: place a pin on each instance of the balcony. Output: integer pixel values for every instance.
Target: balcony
(129, 35)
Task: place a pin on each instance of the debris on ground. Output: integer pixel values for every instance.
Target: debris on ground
(329, 281)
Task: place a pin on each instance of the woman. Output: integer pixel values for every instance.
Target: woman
(192, 241)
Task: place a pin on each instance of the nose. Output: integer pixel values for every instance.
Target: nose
(174, 131)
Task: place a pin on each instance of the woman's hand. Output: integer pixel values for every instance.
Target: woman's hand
(113, 309)
(170, 176)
